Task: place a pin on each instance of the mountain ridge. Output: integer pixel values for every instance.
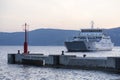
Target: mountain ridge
(46, 37)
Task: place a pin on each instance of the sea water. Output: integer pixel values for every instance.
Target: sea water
(23, 72)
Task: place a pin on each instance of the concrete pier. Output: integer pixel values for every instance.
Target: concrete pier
(67, 61)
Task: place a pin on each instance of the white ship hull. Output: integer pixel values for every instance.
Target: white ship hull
(98, 46)
(78, 46)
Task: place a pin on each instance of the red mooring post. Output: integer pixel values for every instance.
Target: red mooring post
(25, 43)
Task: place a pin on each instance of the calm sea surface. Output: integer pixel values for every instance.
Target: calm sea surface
(22, 72)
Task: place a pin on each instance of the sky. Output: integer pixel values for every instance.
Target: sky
(58, 14)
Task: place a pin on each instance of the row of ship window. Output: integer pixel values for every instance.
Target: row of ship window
(89, 37)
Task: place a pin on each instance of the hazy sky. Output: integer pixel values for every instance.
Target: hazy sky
(58, 14)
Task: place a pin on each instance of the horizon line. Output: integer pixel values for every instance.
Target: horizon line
(57, 29)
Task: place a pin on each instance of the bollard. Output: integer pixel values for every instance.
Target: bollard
(62, 52)
(18, 51)
(84, 55)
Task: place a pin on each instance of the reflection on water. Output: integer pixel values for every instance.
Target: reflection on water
(22, 72)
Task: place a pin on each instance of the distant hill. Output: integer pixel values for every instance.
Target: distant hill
(114, 34)
(45, 37)
(50, 36)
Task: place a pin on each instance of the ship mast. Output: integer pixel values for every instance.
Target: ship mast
(92, 24)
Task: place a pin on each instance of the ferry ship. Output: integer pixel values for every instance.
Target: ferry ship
(90, 40)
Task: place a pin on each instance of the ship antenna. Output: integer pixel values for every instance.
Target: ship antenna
(92, 24)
